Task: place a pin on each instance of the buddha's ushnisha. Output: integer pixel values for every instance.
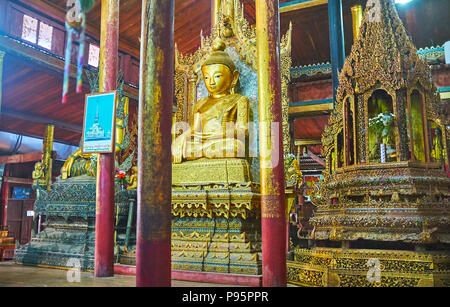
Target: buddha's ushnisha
(220, 120)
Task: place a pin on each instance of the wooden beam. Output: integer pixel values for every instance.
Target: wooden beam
(21, 158)
(308, 142)
(18, 180)
(296, 5)
(315, 158)
(300, 4)
(310, 108)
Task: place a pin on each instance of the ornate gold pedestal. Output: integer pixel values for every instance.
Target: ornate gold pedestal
(333, 267)
(400, 201)
(216, 223)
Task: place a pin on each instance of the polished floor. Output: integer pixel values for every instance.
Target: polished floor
(14, 275)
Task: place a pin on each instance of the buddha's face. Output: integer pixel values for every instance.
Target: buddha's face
(219, 79)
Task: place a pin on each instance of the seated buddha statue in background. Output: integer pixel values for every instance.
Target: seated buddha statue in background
(219, 127)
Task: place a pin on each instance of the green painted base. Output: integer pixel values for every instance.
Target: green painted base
(68, 236)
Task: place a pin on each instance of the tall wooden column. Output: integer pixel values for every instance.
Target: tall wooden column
(273, 205)
(4, 191)
(47, 154)
(2, 54)
(104, 217)
(337, 46)
(153, 265)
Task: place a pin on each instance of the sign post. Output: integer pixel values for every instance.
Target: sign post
(98, 137)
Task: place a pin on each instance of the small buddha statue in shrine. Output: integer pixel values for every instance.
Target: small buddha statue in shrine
(437, 149)
(38, 174)
(133, 179)
(220, 120)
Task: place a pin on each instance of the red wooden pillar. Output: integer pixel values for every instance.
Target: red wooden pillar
(287, 236)
(5, 195)
(273, 215)
(104, 216)
(153, 263)
(2, 54)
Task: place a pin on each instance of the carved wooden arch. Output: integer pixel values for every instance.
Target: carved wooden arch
(345, 118)
(336, 148)
(424, 98)
(366, 96)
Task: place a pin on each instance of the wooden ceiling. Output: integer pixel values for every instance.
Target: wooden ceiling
(32, 94)
(36, 91)
(427, 22)
(310, 25)
(191, 17)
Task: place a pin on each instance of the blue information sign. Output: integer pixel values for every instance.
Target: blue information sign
(99, 122)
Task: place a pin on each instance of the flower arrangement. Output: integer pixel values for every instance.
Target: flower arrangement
(123, 178)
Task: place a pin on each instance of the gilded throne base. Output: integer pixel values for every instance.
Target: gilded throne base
(336, 267)
(68, 235)
(216, 225)
(398, 203)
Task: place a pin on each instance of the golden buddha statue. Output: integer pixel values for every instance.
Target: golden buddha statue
(220, 120)
(437, 149)
(38, 174)
(133, 179)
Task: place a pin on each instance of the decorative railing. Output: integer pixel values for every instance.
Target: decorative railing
(310, 70)
(429, 53)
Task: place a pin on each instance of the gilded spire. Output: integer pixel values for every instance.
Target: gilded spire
(383, 52)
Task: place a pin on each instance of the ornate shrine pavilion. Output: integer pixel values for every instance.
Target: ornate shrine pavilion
(255, 142)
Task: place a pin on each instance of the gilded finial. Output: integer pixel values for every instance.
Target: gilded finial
(219, 56)
(218, 45)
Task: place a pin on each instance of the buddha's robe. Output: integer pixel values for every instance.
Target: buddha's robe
(219, 128)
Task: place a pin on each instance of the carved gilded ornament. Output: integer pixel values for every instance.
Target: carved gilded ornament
(403, 200)
(333, 267)
(383, 57)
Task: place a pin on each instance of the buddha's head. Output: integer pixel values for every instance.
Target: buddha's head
(219, 72)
